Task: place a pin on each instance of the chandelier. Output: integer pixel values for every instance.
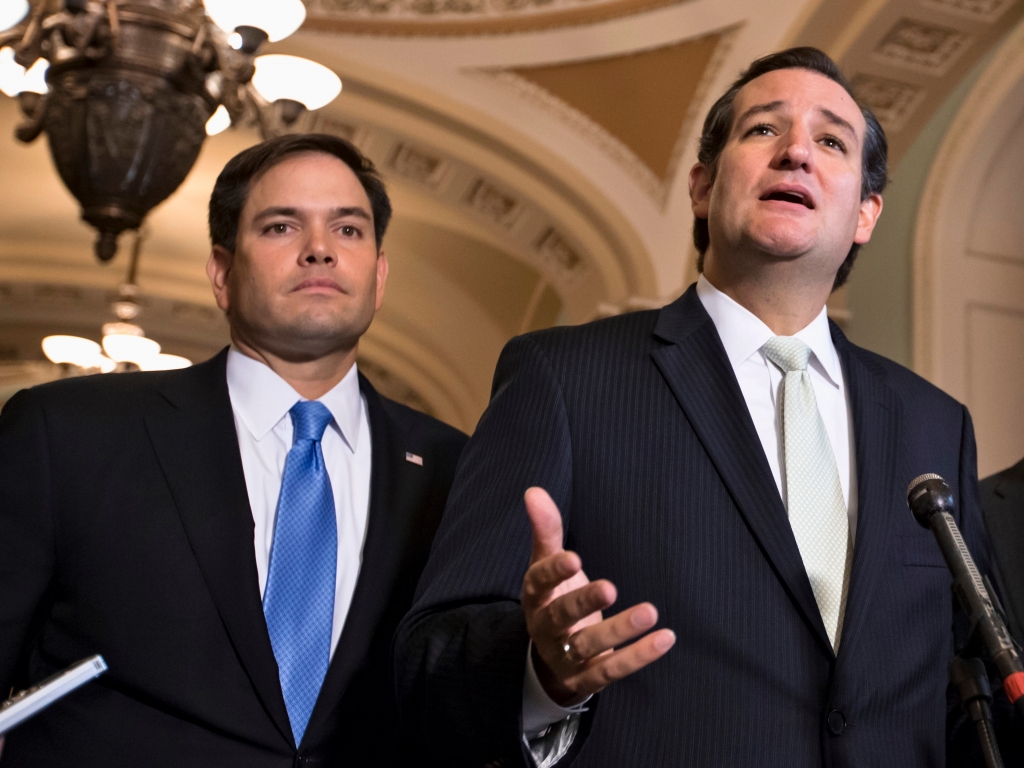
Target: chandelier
(127, 90)
(125, 346)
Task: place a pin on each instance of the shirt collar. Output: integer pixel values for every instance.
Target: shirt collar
(261, 398)
(743, 333)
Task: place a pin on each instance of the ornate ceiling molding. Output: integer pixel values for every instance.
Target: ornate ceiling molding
(195, 330)
(542, 241)
(657, 186)
(573, 244)
(466, 17)
(904, 57)
(943, 222)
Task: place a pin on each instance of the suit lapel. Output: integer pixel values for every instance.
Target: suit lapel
(700, 376)
(876, 434)
(392, 502)
(196, 445)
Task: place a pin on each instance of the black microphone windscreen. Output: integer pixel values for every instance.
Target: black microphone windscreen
(927, 495)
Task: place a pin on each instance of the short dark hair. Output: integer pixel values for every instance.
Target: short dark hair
(718, 126)
(233, 185)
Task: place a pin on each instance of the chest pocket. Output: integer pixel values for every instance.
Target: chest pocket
(920, 550)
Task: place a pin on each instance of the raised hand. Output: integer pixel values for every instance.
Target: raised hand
(573, 645)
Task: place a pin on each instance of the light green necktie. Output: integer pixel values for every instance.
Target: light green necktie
(817, 511)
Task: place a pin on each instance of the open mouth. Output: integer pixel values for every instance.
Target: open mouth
(789, 196)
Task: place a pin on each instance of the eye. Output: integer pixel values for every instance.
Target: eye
(277, 228)
(833, 143)
(761, 129)
(350, 230)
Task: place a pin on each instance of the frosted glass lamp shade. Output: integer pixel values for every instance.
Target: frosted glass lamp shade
(74, 350)
(125, 348)
(164, 362)
(12, 12)
(292, 77)
(278, 18)
(14, 79)
(71, 349)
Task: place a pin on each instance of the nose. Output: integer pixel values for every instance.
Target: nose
(317, 250)
(794, 152)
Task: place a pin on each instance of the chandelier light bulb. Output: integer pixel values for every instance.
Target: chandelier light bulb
(278, 18)
(11, 73)
(12, 12)
(35, 78)
(14, 79)
(292, 77)
(219, 121)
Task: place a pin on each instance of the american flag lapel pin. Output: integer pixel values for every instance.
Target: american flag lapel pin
(412, 458)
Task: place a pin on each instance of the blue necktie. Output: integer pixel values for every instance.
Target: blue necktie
(298, 601)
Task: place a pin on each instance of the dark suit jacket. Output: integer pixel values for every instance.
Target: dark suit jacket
(1002, 503)
(637, 427)
(125, 530)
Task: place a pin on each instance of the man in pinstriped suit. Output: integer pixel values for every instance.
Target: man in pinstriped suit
(732, 470)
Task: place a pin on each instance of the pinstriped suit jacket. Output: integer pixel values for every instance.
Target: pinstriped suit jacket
(638, 429)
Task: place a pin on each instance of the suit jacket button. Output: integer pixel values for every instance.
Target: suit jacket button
(836, 722)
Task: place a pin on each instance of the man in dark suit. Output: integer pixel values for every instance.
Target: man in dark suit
(731, 467)
(1002, 503)
(238, 539)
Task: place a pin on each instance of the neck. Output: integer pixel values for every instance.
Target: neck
(311, 378)
(780, 293)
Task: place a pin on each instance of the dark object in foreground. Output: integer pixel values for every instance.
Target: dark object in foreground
(931, 500)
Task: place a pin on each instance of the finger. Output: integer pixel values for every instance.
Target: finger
(566, 611)
(546, 522)
(607, 669)
(545, 575)
(613, 632)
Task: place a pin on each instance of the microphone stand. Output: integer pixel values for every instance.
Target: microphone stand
(932, 503)
(971, 680)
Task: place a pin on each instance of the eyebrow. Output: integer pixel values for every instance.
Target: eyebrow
(842, 123)
(772, 106)
(337, 213)
(759, 109)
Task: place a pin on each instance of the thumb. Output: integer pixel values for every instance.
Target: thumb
(546, 522)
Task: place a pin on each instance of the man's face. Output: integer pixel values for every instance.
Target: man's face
(788, 183)
(306, 276)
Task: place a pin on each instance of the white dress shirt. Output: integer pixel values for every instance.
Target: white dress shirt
(260, 400)
(743, 335)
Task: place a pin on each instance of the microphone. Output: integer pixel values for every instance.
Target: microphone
(931, 501)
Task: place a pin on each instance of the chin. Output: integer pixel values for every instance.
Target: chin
(783, 242)
(322, 328)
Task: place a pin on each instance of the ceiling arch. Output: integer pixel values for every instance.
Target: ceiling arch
(535, 151)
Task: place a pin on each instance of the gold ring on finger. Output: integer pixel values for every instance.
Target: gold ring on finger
(570, 653)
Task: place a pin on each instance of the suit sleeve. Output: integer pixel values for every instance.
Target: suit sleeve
(26, 532)
(460, 652)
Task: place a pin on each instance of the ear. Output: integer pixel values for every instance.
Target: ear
(700, 190)
(218, 268)
(382, 277)
(870, 210)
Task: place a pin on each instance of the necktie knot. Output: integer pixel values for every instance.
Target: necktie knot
(309, 420)
(787, 352)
